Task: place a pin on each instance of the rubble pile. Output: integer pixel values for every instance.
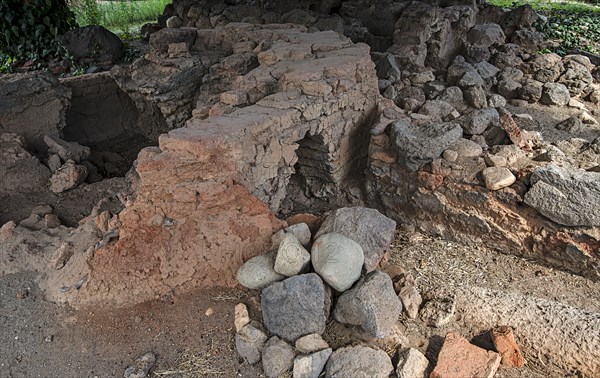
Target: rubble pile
(299, 301)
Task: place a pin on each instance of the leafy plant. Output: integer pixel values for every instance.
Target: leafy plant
(87, 12)
(121, 17)
(571, 24)
(570, 31)
(6, 63)
(31, 29)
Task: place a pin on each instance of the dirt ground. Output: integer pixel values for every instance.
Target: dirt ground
(192, 334)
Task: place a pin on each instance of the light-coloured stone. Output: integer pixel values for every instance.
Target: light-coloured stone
(475, 96)
(67, 177)
(301, 231)
(496, 101)
(292, 258)
(258, 272)
(359, 362)
(276, 239)
(438, 312)
(373, 231)
(311, 366)
(411, 300)
(569, 197)
(411, 364)
(234, 98)
(241, 317)
(555, 94)
(311, 343)
(495, 160)
(496, 178)
(466, 148)
(66, 150)
(450, 155)
(338, 260)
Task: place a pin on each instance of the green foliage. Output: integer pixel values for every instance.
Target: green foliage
(31, 29)
(570, 31)
(571, 24)
(6, 63)
(569, 6)
(121, 17)
(87, 12)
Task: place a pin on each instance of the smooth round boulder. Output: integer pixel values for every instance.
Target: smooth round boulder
(338, 260)
(359, 362)
(258, 272)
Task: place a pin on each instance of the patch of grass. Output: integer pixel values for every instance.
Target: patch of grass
(191, 364)
(571, 25)
(124, 16)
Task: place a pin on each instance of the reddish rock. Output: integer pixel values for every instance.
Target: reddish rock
(513, 131)
(459, 358)
(505, 344)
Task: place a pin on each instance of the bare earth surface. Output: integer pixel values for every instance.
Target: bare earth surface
(193, 335)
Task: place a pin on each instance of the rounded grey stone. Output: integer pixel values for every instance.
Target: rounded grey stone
(338, 260)
(359, 362)
(311, 366)
(258, 272)
(292, 258)
(277, 357)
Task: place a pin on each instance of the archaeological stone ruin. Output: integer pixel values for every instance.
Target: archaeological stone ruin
(281, 145)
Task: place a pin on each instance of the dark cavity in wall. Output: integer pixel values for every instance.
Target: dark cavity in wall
(327, 177)
(106, 119)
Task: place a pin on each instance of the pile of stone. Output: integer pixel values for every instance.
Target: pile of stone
(65, 167)
(68, 163)
(460, 133)
(447, 138)
(511, 74)
(340, 278)
(299, 289)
